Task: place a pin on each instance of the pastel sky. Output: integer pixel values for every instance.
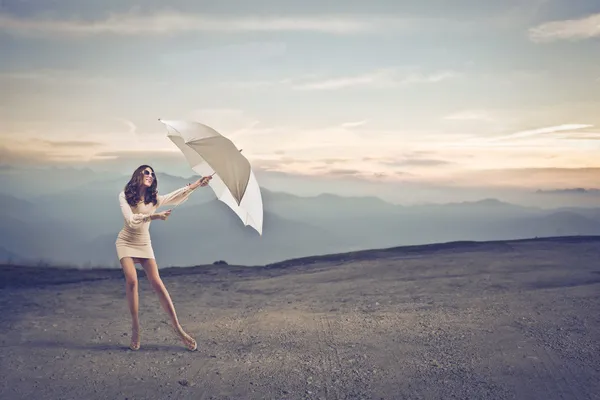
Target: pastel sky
(459, 92)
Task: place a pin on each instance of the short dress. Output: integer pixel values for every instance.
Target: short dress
(134, 239)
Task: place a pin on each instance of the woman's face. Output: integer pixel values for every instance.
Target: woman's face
(148, 177)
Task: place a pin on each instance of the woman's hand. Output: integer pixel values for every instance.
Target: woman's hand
(200, 182)
(164, 215)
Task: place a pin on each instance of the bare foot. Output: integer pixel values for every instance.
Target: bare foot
(135, 338)
(188, 341)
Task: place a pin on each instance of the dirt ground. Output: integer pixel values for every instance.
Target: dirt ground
(496, 320)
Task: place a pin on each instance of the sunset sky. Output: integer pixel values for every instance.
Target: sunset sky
(450, 92)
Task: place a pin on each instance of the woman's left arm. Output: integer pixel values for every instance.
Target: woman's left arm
(181, 195)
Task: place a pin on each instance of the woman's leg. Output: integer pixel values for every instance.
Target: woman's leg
(153, 276)
(131, 289)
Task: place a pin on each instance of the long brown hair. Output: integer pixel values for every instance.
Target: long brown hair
(132, 189)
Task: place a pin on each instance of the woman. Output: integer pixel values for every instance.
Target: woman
(139, 202)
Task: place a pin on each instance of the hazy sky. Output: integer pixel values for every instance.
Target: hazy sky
(452, 92)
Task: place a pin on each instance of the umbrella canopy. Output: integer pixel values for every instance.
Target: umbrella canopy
(210, 153)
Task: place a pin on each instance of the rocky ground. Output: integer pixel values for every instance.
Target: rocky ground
(496, 320)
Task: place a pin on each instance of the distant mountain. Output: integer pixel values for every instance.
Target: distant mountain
(567, 223)
(570, 191)
(9, 257)
(11, 205)
(31, 182)
(205, 233)
(80, 223)
(551, 224)
(325, 206)
(40, 238)
(369, 222)
(590, 213)
(485, 205)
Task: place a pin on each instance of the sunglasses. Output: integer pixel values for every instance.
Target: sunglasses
(146, 172)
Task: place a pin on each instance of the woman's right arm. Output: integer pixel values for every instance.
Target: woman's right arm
(133, 220)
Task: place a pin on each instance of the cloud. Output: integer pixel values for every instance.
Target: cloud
(126, 154)
(132, 128)
(563, 131)
(528, 177)
(582, 136)
(121, 161)
(540, 131)
(470, 115)
(125, 161)
(283, 163)
(18, 158)
(174, 22)
(388, 77)
(378, 78)
(39, 150)
(572, 29)
(353, 124)
(29, 157)
(373, 78)
(254, 51)
(576, 191)
(315, 166)
(227, 121)
(363, 169)
(275, 163)
(345, 172)
(348, 144)
(331, 161)
(72, 144)
(56, 77)
(415, 162)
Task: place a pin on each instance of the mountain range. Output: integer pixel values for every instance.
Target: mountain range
(76, 223)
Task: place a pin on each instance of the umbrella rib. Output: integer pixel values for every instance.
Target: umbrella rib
(175, 129)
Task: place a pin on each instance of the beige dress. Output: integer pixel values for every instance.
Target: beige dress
(134, 239)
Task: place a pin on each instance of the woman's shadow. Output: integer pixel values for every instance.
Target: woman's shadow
(54, 344)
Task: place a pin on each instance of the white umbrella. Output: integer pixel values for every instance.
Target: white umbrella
(210, 153)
